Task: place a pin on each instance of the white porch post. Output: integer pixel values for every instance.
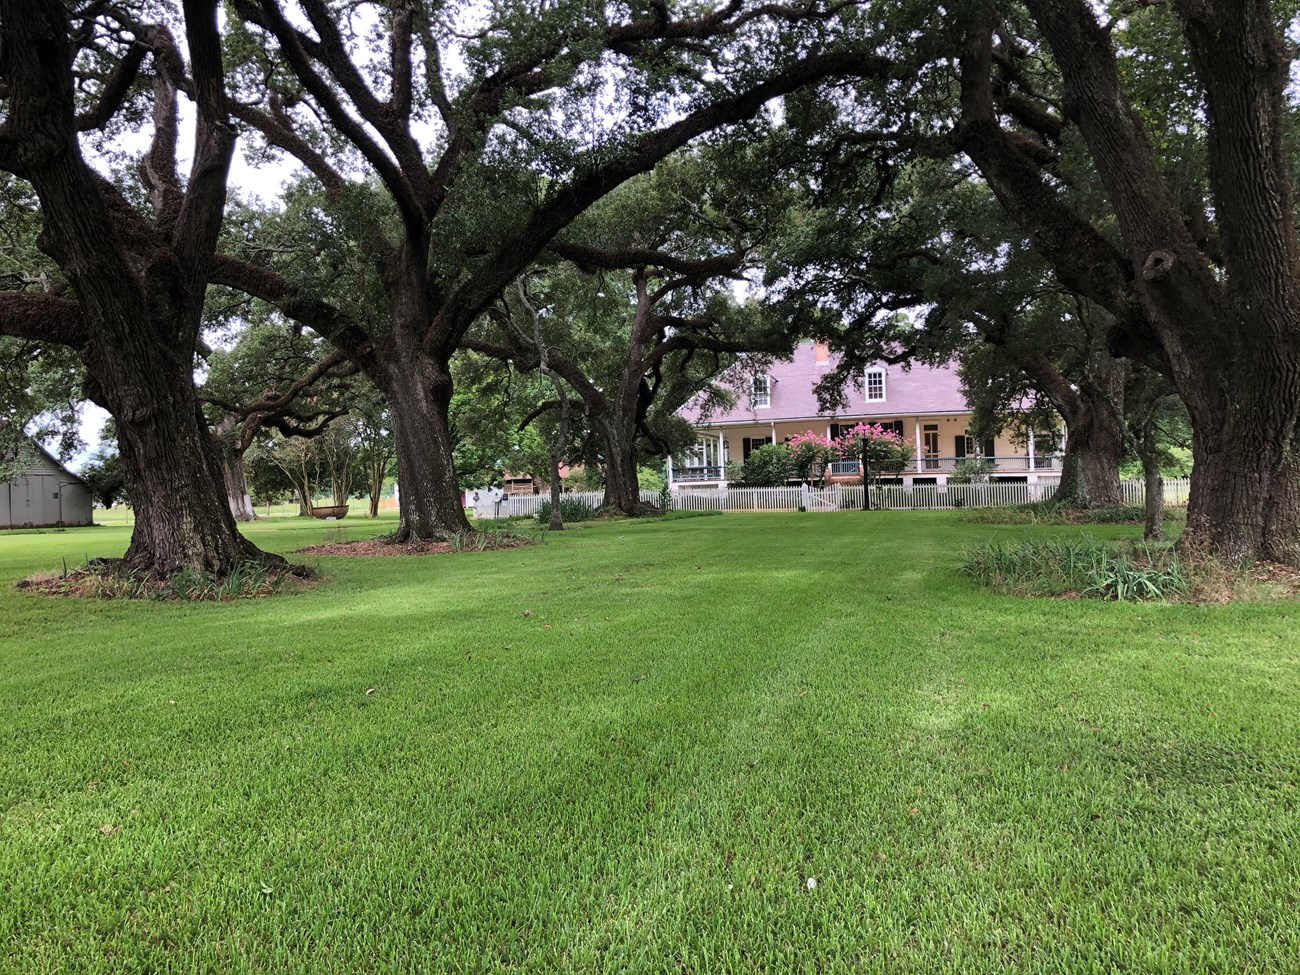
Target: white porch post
(1031, 448)
(918, 443)
(669, 470)
(773, 431)
(722, 458)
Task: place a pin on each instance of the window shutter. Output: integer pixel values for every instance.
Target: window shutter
(959, 451)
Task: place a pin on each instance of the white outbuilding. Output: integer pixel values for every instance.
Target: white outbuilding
(44, 494)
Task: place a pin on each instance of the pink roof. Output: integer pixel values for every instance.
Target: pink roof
(916, 391)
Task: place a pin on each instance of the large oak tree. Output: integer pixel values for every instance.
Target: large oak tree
(135, 254)
(481, 167)
(1212, 278)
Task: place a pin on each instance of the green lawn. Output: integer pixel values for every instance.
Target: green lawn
(629, 749)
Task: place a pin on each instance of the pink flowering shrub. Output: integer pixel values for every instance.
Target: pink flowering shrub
(809, 450)
(885, 450)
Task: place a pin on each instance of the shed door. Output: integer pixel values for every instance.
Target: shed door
(46, 500)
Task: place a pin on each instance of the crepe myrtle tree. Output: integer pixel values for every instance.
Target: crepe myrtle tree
(880, 449)
(811, 454)
(135, 250)
(480, 168)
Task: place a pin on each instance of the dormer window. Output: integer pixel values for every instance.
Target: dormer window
(875, 385)
(761, 393)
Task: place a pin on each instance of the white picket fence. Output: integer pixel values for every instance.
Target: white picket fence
(530, 504)
(846, 497)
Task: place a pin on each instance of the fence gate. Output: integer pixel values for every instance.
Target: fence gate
(827, 499)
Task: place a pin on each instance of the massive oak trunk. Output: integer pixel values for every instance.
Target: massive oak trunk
(622, 485)
(1094, 447)
(1094, 429)
(419, 400)
(1245, 496)
(616, 419)
(172, 471)
(1153, 529)
(233, 478)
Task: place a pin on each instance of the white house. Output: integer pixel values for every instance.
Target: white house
(924, 404)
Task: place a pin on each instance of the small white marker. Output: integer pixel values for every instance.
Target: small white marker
(812, 882)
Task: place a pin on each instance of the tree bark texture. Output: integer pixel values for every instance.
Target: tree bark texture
(419, 401)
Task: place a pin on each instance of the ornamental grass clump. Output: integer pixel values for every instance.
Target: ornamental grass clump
(100, 579)
(1047, 513)
(1080, 567)
(571, 509)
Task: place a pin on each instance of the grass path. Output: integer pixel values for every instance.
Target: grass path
(629, 749)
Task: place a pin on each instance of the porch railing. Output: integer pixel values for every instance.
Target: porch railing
(713, 473)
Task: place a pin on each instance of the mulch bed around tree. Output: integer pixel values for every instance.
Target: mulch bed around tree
(376, 546)
(104, 583)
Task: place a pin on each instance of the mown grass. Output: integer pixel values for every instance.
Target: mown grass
(627, 750)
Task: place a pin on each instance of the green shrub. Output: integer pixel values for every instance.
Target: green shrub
(768, 466)
(571, 509)
(971, 470)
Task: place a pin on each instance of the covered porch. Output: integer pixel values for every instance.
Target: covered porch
(940, 444)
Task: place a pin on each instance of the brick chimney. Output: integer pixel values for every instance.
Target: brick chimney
(823, 352)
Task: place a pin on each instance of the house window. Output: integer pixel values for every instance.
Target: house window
(750, 444)
(761, 394)
(967, 446)
(875, 385)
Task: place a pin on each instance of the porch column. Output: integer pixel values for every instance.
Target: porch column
(773, 431)
(722, 457)
(1031, 448)
(668, 469)
(918, 443)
